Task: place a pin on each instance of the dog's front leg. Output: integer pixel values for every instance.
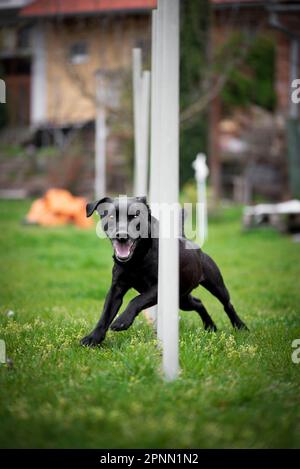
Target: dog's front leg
(112, 305)
(145, 300)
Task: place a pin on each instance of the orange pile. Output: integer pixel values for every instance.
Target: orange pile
(59, 207)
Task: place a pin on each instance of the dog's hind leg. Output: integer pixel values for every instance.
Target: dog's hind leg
(190, 303)
(214, 283)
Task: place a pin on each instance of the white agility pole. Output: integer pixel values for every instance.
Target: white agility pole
(155, 119)
(168, 279)
(156, 129)
(100, 138)
(137, 92)
(142, 188)
(141, 111)
(201, 173)
(154, 146)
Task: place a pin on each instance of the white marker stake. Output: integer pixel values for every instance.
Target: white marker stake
(156, 129)
(155, 115)
(201, 173)
(168, 281)
(100, 139)
(137, 99)
(141, 107)
(141, 110)
(154, 150)
(142, 187)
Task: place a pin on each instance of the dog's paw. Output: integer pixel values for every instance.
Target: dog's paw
(92, 340)
(241, 326)
(211, 327)
(122, 323)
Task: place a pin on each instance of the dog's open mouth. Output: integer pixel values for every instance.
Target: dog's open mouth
(123, 248)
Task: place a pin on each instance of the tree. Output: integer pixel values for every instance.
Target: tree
(194, 40)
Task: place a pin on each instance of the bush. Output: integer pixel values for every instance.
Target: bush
(253, 82)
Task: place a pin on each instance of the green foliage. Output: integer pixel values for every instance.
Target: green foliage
(193, 140)
(194, 20)
(249, 82)
(10, 150)
(253, 81)
(47, 152)
(234, 390)
(193, 45)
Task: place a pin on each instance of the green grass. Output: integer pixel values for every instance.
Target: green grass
(234, 389)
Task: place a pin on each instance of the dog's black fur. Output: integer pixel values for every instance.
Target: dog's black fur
(139, 270)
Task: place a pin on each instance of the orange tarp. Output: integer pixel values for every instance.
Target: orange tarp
(59, 207)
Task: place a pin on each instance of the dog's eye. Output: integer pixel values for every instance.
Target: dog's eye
(135, 216)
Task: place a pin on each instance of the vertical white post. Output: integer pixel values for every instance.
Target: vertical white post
(156, 131)
(155, 117)
(154, 144)
(201, 173)
(142, 186)
(100, 138)
(137, 98)
(168, 281)
(141, 111)
(38, 80)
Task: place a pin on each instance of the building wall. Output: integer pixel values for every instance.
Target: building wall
(71, 87)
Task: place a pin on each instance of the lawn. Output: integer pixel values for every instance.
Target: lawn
(234, 390)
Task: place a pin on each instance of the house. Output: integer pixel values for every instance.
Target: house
(277, 179)
(50, 51)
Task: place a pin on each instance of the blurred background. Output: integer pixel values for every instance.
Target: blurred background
(238, 59)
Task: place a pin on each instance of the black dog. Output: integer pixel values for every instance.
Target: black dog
(136, 266)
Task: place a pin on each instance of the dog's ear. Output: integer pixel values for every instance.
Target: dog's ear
(91, 206)
(142, 200)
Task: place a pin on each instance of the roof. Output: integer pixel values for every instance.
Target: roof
(10, 4)
(40, 8)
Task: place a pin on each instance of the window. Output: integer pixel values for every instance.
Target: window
(78, 53)
(24, 37)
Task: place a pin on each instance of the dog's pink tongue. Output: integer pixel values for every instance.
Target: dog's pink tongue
(122, 249)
